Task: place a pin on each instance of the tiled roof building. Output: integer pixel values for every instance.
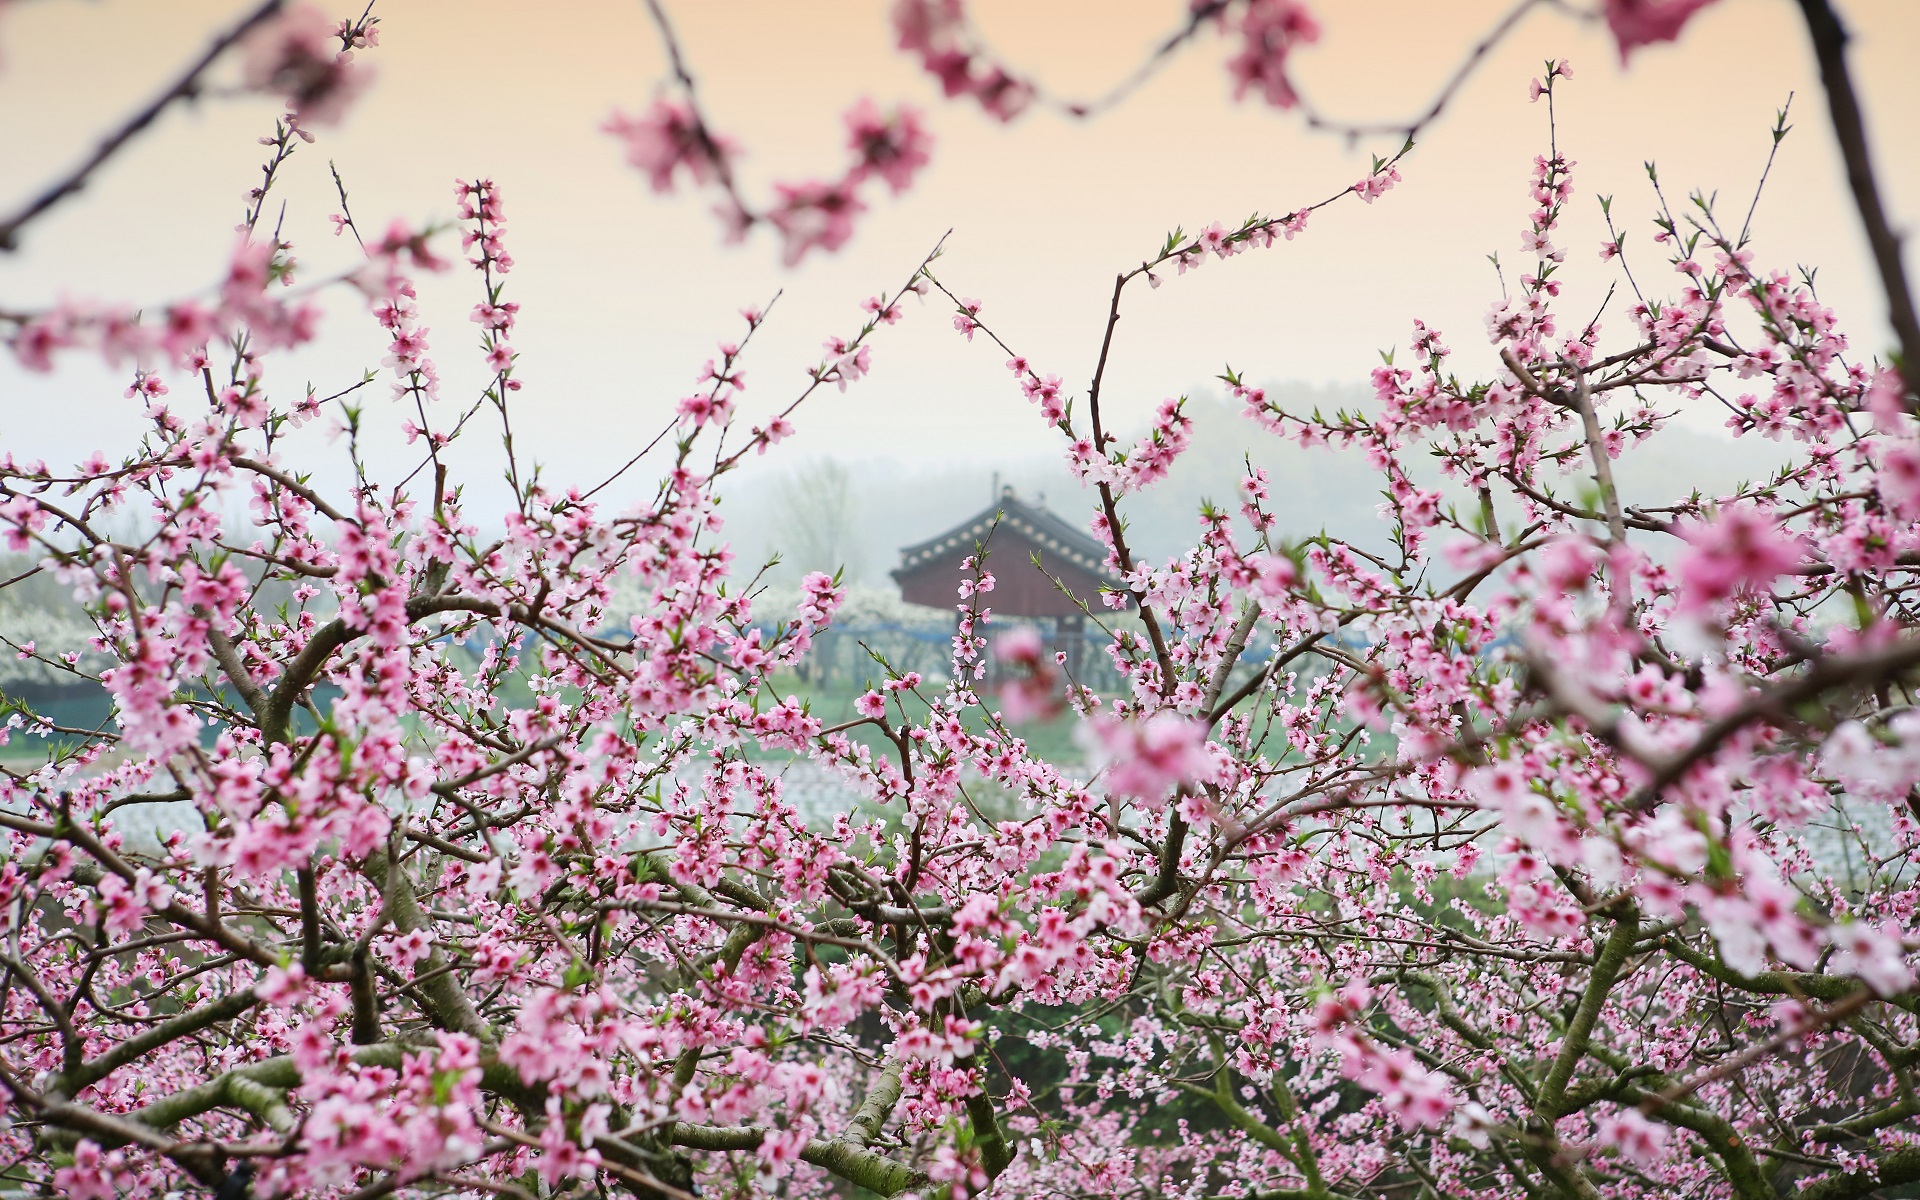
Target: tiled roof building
(1015, 533)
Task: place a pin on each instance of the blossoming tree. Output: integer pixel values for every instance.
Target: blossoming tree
(428, 855)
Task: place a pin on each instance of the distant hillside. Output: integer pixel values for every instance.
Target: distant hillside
(894, 502)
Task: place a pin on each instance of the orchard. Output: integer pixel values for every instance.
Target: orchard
(435, 852)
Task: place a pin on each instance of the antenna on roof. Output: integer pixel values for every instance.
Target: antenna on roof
(996, 487)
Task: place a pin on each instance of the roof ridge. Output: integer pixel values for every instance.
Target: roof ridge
(1035, 522)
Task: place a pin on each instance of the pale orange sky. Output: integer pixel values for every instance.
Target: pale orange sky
(625, 292)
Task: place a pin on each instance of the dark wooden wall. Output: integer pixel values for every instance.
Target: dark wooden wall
(1020, 589)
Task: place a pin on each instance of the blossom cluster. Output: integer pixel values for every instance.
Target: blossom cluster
(1556, 841)
(671, 139)
(1591, 792)
(935, 32)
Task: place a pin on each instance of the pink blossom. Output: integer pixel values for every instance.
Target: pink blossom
(774, 432)
(561, 1156)
(283, 987)
(1270, 30)
(294, 55)
(1644, 22)
(94, 1174)
(1639, 1141)
(814, 214)
(935, 31)
(1899, 477)
(667, 138)
(1877, 957)
(1742, 547)
(1416, 1096)
(1147, 759)
(967, 319)
(1020, 645)
(895, 146)
(1031, 687)
(1377, 184)
(36, 340)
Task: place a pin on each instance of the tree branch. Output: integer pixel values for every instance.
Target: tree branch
(186, 87)
(1849, 129)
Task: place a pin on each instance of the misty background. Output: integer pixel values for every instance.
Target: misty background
(854, 513)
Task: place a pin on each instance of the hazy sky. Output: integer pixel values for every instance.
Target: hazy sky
(624, 292)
